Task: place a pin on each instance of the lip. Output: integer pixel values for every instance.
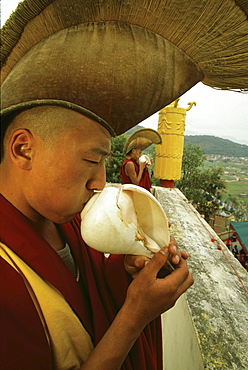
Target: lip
(84, 204)
(93, 193)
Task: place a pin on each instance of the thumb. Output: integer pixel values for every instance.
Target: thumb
(158, 260)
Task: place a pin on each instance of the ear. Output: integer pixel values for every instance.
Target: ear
(21, 148)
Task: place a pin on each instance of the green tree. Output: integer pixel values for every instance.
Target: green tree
(202, 187)
(212, 184)
(115, 159)
(193, 158)
(192, 162)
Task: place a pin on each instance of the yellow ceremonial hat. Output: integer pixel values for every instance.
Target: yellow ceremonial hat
(120, 61)
(142, 139)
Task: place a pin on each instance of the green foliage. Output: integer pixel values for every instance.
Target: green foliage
(213, 185)
(193, 158)
(236, 195)
(115, 159)
(200, 185)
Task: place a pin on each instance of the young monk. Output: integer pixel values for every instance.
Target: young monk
(132, 170)
(64, 305)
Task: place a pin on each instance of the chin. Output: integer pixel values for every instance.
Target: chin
(64, 220)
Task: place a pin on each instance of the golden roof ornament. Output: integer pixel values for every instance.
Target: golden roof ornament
(171, 126)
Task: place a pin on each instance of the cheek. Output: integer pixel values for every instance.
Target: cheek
(56, 188)
(64, 186)
(52, 173)
(60, 184)
(56, 199)
(49, 181)
(61, 175)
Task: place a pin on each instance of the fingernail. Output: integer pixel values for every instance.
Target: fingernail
(177, 258)
(174, 248)
(129, 267)
(146, 262)
(164, 251)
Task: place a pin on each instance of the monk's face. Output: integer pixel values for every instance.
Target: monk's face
(136, 153)
(63, 176)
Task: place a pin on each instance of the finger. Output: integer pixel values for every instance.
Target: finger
(178, 290)
(158, 261)
(136, 261)
(134, 264)
(178, 281)
(176, 258)
(175, 254)
(184, 255)
(173, 241)
(186, 284)
(181, 276)
(173, 247)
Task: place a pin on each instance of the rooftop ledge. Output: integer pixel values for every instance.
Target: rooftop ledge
(207, 328)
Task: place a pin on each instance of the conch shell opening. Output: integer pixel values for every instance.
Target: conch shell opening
(125, 220)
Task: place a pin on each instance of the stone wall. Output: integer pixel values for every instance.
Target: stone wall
(208, 327)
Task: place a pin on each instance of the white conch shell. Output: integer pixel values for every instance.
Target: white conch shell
(144, 158)
(125, 220)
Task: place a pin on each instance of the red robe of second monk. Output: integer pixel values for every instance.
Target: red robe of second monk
(145, 181)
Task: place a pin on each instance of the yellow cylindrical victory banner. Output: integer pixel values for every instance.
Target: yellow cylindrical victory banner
(171, 126)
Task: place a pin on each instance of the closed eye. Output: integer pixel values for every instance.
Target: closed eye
(93, 162)
(99, 154)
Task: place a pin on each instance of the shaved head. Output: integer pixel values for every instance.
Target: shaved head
(47, 122)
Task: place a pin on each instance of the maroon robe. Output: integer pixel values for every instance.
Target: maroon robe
(95, 299)
(145, 181)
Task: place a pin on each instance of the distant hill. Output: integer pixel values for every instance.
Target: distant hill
(133, 129)
(216, 145)
(211, 144)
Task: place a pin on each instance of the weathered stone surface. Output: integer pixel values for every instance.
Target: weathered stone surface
(218, 300)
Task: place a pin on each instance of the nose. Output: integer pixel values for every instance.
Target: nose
(98, 179)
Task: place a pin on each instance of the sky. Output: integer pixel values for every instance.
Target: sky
(217, 112)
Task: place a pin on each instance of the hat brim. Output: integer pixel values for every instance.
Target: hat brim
(142, 139)
(121, 60)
